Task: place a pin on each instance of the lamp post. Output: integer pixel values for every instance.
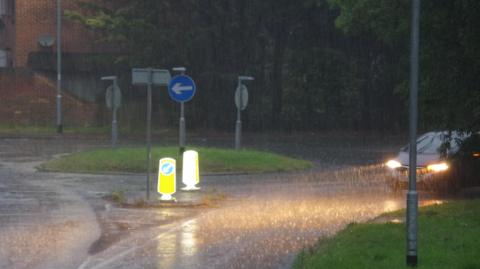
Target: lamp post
(238, 125)
(412, 195)
(182, 128)
(59, 69)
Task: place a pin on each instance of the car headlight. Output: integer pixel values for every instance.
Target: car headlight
(392, 164)
(437, 167)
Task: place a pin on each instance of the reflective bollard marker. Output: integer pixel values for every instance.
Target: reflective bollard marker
(166, 179)
(190, 173)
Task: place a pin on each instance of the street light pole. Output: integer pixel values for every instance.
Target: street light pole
(412, 195)
(59, 68)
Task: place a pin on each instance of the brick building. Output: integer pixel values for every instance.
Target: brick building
(28, 53)
(29, 25)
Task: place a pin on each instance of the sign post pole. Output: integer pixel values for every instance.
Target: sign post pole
(113, 100)
(241, 100)
(238, 125)
(114, 114)
(149, 129)
(181, 89)
(150, 77)
(182, 134)
(182, 128)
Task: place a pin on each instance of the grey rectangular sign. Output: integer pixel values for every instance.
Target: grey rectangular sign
(141, 76)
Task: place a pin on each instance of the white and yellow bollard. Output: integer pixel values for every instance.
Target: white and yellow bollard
(167, 178)
(190, 173)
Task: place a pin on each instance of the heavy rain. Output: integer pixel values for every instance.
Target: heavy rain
(301, 114)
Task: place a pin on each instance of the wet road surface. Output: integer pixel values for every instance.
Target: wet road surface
(41, 225)
(62, 221)
(269, 219)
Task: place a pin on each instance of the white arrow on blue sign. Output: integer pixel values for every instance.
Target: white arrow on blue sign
(182, 88)
(167, 169)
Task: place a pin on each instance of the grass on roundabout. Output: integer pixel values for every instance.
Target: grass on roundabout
(211, 160)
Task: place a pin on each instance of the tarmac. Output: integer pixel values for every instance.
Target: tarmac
(61, 220)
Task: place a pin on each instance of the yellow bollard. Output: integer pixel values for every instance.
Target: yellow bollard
(166, 178)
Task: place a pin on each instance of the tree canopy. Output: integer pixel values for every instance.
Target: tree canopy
(318, 64)
(450, 60)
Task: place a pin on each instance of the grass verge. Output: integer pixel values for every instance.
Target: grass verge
(10, 129)
(448, 238)
(211, 160)
(16, 129)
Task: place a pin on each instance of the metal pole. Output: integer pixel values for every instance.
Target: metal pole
(238, 125)
(182, 128)
(182, 133)
(149, 130)
(412, 195)
(59, 68)
(114, 115)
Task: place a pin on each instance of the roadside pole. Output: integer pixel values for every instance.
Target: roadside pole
(412, 195)
(241, 101)
(114, 114)
(181, 89)
(149, 77)
(149, 130)
(182, 127)
(59, 69)
(113, 99)
(238, 124)
(182, 133)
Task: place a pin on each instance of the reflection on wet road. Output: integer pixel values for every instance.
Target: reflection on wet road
(41, 225)
(62, 221)
(270, 219)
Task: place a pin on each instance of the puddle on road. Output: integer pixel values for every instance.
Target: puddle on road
(117, 223)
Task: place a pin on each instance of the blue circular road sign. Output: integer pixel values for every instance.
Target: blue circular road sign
(182, 88)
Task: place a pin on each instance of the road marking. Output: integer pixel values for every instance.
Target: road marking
(132, 249)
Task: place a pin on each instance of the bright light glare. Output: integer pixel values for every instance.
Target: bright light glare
(393, 164)
(391, 205)
(190, 173)
(438, 167)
